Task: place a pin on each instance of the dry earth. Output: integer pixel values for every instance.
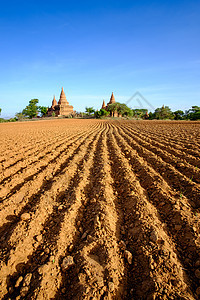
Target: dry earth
(100, 210)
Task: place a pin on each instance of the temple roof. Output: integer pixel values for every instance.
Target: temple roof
(103, 105)
(54, 102)
(112, 99)
(63, 99)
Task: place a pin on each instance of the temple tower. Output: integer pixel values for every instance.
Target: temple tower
(54, 102)
(112, 99)
(103, 105)
(63, 99)
(64, 108)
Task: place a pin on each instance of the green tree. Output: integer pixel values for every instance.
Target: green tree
(0, 110)
(178, 115)
(113, 107)
(124, 110)
(31, 110)
(90, 110)
(163, 113)
(20, 116)
(43, 110)
(101, 113)
(193, 113)
(139, 112)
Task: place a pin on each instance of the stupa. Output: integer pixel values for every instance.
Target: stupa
(112, 100)
(103, 105)
(62, 108)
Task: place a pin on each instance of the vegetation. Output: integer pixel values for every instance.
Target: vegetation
(32, 109)
(101, 113)
(193, 113)
(165, 112)
(43, 110)
(0, 110)
(120, 108)
(20, 116)
(90, 110)
(140, 112)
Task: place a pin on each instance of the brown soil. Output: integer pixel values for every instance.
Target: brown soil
(95, 209)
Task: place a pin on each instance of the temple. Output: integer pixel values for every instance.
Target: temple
(62, 108)
(104, 106)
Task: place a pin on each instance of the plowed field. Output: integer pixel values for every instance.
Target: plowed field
(95, 209)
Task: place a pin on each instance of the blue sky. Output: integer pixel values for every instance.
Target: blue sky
(92, 48)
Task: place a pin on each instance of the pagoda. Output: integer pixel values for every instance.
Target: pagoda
(103, 105)
(62, 108)
(112, 100)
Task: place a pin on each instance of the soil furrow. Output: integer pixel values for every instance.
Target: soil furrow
(45, 259)
(173, 177)
(95, 248)
(19, 240)
(174, 211)
(183, 143)
(182, 162)
(27, 173)
(32, 188)
(29, 157)
(154, 254)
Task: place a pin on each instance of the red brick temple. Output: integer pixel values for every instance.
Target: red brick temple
(112, 100)
(62, 108)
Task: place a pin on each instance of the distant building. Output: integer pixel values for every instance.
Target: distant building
(112, 100)
(62, 108)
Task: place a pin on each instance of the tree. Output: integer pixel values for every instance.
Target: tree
(178, 115)
(43, 110)
(0, 110)
(89, 110)
(20, 116)
(193, 113)
(113, 107)
(163, 113)
(31, 110)
(101, 113)
(140, 112)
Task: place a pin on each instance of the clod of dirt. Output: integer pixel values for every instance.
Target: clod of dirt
(19, 280)
(67, 263)
(24, 291)
(84, 235)
(178, 227)
(197, 273)
(122, 245)
(128, 256)
(198, 291)
(154, 236)
(11, 290)
(39, 238)
(25, 216)
(197, 264)
(70, 249)
(111, 287)
(27, 279)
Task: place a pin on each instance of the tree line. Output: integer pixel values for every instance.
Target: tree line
(32, 110)
(162, 113)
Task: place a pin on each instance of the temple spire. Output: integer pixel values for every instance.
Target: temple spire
(63, 99)
(103, 105)
(112, 99)
(54, 102)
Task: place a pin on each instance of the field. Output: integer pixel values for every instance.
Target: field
(95, 209)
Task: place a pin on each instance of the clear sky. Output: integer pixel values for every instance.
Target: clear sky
(92, 48)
